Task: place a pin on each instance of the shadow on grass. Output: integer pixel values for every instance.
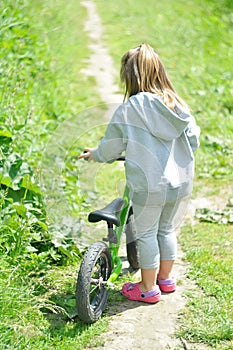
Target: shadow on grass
(61, 313)
(60, 309)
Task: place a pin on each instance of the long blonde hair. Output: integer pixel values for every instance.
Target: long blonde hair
(143, 71)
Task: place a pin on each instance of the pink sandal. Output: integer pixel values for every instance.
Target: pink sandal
(132, 292)
(167, 286)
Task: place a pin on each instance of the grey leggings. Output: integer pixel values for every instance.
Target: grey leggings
(156, 231)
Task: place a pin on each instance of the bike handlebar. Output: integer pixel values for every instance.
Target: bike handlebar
(121, 158)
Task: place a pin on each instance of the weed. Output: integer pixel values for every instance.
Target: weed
(44, 97)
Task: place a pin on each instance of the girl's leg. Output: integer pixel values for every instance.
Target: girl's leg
(170, 220)
(165, 269)
(146, 224)
(149, 278)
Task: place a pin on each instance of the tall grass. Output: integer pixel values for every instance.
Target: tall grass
(43, 91)
(42, 51)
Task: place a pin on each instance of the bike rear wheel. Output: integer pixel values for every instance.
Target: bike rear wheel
(91, 292)
(131, 243)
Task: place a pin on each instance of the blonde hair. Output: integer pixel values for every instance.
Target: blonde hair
(143, 71)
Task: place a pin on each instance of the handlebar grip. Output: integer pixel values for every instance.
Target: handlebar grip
(86, 159)
(121, 158)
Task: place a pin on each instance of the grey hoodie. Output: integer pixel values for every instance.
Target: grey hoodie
(158, 145)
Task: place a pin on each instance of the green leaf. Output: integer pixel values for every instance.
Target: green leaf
(65, 252)
(31, 249)
(42, 225)
(20, 209)
(224, 216)
(5, 133)
(27, 184)
(5, 180)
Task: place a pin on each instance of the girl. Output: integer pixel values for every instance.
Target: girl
(158, 135)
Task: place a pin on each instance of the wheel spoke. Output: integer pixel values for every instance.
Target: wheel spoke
(95, 281)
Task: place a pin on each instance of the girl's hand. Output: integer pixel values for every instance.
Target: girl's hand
(87, 154)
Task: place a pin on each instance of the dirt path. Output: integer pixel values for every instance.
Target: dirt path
(101, 65)
(133, 324)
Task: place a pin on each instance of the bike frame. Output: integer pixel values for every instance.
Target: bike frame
(114, 247)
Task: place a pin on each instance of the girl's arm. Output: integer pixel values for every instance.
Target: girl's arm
(112, 144)
(193, 132)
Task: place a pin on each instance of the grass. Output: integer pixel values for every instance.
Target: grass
(187, 36)
(46, 100)
(208, 316)
(44, 96)
(35, 311)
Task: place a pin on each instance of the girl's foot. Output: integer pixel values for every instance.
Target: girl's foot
(132, 291)
(168, 285)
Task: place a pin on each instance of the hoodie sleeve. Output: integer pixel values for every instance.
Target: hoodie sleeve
(112, 144)
(193, 132)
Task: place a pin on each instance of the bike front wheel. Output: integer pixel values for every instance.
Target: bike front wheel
(91, 292)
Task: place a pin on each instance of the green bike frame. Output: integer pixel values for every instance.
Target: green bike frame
(114, 247)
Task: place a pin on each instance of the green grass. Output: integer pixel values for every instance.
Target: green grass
(194, 41)
(45, 105)
(44, 96)
(209, 313)
(35, 311)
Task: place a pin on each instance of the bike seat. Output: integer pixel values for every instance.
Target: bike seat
(110, 213)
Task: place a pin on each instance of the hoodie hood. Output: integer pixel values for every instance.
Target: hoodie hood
(161, 121)
(158, 145)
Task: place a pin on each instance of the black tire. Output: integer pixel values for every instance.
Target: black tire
(91, 292)
(131, 243)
